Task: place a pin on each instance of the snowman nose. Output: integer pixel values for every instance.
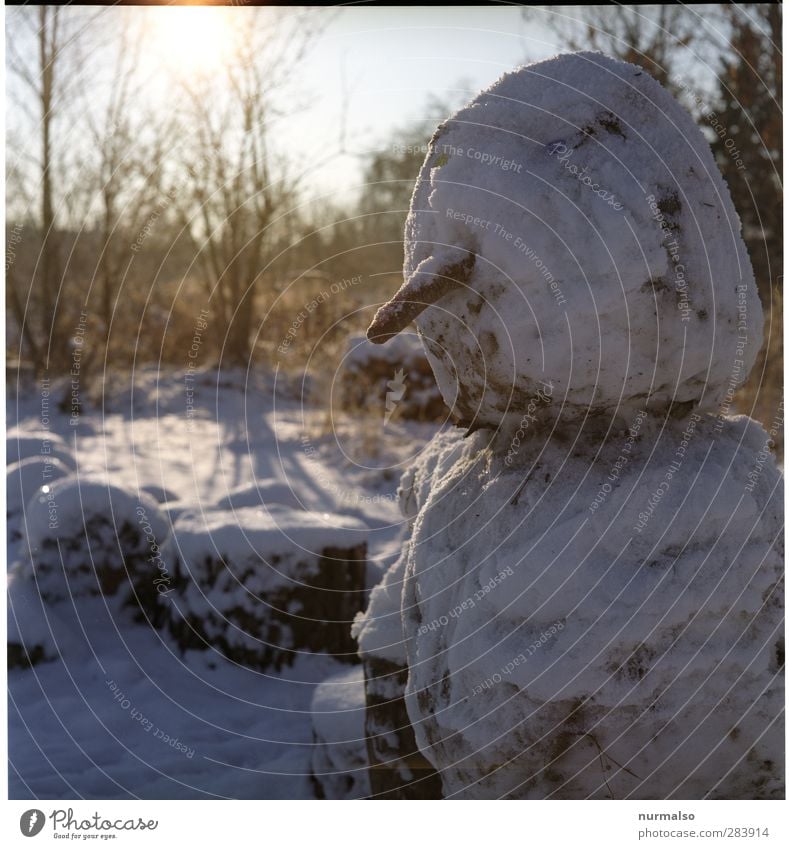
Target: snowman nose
(419, 292)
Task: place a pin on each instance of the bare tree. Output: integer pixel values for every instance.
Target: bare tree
(749, 143)
(749, 150)
(236, 195)
(40, 77)
(123, 173)
(655, 37)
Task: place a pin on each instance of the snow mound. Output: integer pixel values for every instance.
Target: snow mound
(30, 639)
(339, 756)
(378, 629)
(264, 492)
(24, 477)
(264, 584)
(255, 532)
(160, 493)
(88, 537)
(570, 228)
(21, 445)
(579, 627)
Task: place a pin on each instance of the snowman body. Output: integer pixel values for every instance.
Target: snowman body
(612, 629)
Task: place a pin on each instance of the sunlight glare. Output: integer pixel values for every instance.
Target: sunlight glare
(194, 39)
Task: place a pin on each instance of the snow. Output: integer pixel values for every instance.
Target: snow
(59, 510)
(64, 629)
(160, 493)
(336, 714)
(249, 730)
(268, 491)
(592, 246)
(379, 629)
(95, 727)
(534, 605)
(575, 613)
(252, 532)
(339, 760)
(86, 537)
(590, 596)
(21, 444)
(24, 477)
(265, 581)
(27, 620)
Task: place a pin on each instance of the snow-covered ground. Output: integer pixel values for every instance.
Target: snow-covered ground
(122, 713)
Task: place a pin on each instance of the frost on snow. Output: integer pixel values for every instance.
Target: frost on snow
(589, 601)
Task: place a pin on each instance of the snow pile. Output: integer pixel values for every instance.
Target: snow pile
(38, 631)
(339, 756)
(24, 477)
(20, 445)
(593, 627)
(263, 492)
(120, 690)
(262, 585)
(571, 229)
(590, 609)
(30, 640)
(88, 537)
(379, 629)
(369, 369)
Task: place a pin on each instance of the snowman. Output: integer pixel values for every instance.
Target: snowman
(588, 604)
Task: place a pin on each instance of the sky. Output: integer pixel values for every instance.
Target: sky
(376, 66)
(386, 62)
(366, 81)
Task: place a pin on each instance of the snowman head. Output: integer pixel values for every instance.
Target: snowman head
(570, 229)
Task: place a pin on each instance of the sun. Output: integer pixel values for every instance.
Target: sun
(192, 39)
